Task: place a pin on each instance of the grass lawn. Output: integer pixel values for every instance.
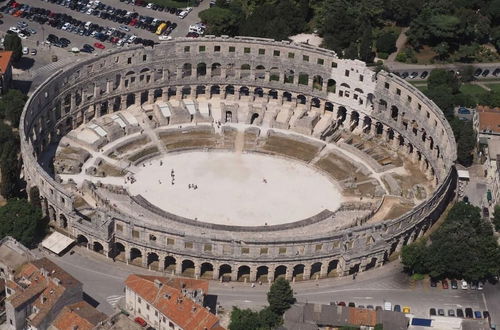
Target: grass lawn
(472, 90)
(494, 87)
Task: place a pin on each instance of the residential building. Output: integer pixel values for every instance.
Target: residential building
(81, 316)
(486, 122)
(37, 293)
(12, 255)
(5, 70)
(165, 303)
(315, 316)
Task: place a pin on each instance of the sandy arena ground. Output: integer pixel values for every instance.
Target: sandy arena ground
(231, 188)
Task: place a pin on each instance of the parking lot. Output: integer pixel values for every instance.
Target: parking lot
(77, 38)
(481, 71)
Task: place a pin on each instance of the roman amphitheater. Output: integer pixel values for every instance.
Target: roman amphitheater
(242, 159)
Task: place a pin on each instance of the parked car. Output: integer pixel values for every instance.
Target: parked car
(397, 308)
(441, 312)
(486, 314)
(413, 75)
(351, 304)
(477, 72)
(140, 321)
(388, 306)
(99, 45)
(464, 285)
(496, 72)
(432, 312)
(480, 285)
(26, 50)
(460, 312)
(424, 74)
(468, 313)
(404, 75)
(473, 285)
(341, 303)
(369, 306)
(444, 283)
(433, 283)
(485, 72)
(33, 52)
(454, 284)
(451, 312)
(478, 315)
(406, 310)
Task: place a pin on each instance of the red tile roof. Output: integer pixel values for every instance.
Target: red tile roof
(43, 280)
(5, 58)
(80, 315)
(364, 317)
(170, 301)
(489, 119)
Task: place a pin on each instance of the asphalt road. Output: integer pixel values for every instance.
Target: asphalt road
(103, 281)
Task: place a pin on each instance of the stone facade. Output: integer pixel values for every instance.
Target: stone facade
(344, 92)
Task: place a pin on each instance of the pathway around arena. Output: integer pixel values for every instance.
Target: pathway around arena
(103, 280)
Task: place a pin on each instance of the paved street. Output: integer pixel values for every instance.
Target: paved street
(103, 281)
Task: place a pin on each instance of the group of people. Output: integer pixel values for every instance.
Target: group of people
(192, 185)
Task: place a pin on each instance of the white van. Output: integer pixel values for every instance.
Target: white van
(464, 285)
(87, 25)
(387, 306)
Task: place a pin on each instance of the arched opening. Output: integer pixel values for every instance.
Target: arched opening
(331, 86)
(187, 268)
(244, 273)
(287, 96)
(82, 240)
(153, 261)
(367, 124)
(245, 70)
(119, 251)
(201, 70)
(136, 256)
(230, 71)
(301, 99)
(244, 91)
(63, 221)
(158, 93)
(379, 128)
(172, 91)
(354, 269)
(230, 90)
(187, 70)
(273, 94)
(228, 117)
(262, 274)
(316, 270)
(206, 270)
(298, 272)
(260, 72)
(258, 92)
(215, 89)
(303, 78)
(144, 97)
(200, 90)
(255, 116)
(97, 247)
(225, 272)
(186, 90)
(130, 100)
(170, 264)
(382, 105)
(329, 106)
(216, 70)
(394, 112)
(280, 271)
(341, 115)
(372, 264)
(332, 268)
(318, 83)
(315, 102)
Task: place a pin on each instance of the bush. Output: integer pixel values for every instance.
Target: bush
(401, 57)
(386, 43)
(382, 55)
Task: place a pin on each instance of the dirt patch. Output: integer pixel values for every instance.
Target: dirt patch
(413, 181)
(196, 138)
(80, 203)
(142, 153)
(132, 145)
(109, 170)
(291, 148)
(391, 208)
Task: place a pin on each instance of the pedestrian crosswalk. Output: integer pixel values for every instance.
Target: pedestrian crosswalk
(113, 300)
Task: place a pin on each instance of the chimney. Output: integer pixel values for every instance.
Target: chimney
(158, 283)
(43, 299)
(56, 281)
(44, 272)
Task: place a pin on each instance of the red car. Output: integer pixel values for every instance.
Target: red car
(133, 22)
(445, 284)
(99, 45)
(140, 321)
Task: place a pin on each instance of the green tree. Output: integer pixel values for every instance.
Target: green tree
(351, 52)
(22, 221)
(440, 77)
(280, 296)
(386, 43)
(365, 47)
(414, 257)
(465, 137)
(467, 73)
(245, 319)
(13, 42)
(11, 106)
(442, 50)
(10, 164)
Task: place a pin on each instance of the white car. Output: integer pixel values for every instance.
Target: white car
(189, 9)
(387, 306)
(89, 12)
(26, 50)
(149, 6)
(183, 14)
(22, 36)
(464, 285)
(124, 28)
(131, 39)
(14, 29)
(480, 286)
(66, 26)
(164, 38)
